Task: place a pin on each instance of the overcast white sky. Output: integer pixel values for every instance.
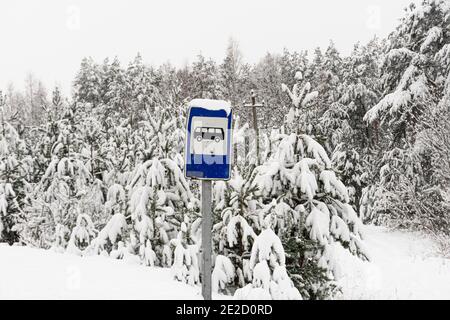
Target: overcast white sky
(50, 37)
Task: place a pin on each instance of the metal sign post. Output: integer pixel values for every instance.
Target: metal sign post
(208, 157)
(206, 239)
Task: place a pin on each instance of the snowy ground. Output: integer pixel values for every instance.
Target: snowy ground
(39, 274)
(403, 267)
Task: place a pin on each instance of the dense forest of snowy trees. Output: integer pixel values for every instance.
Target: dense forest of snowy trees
(345, 140)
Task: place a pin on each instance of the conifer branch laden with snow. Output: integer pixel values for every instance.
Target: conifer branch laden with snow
(270, 279)
(300, 175)
(412, 77)
(236, 206)
(12, 182)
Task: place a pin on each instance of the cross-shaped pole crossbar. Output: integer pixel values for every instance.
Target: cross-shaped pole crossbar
(254, 105)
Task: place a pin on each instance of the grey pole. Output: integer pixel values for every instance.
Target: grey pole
(206, 239)
(255, 123)
(255, 126)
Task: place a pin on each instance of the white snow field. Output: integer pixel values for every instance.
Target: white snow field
(42, 274)
(403, 266)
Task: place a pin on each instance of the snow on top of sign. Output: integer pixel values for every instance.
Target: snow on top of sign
(210, 104)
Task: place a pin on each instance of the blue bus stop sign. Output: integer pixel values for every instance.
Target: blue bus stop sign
(208, 140)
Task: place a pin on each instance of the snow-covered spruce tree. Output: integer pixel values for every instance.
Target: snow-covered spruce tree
(90, 208)
(116, 93)
(348, 137)
(152, 208)
(405, 193)
(353, 170)
(433, 140)
(158, 191)
(169, 84)
(116, 99)
(204, 76)
(120, 158)
(335, 127)
(231, 73)
(65, 190)
(13, 173)
(110, 239)
(316, 217)
(88, 82)
(302, 99)
(265, 79)
(81, 235)
(186, 266)
(270, 279)
(141, 83)
(37, 228)
(290, 63)
(343, 121)
(361, 88)
(223, 274)
(235, 221)
(326, 78)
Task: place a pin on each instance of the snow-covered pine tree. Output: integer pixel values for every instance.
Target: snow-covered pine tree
(141, 83)
(14, 169)
(110, 239)
(158, 191)
(231, 73)
(87, 83)
(152, 207)
(404, 194)
(326, 78)
(236, 219)
(270, 279)
(64, 190)
(35, 99)
(302, 99)
(348, 137)
(36, 229)
(223, 274)
(204, 77)
(186, 266)
(313, 206)
(290, 63)
(361, 90)
(117, 96)
(81, 235)
(93, 137)
(353, 170)
(265, 80)
(433, 139)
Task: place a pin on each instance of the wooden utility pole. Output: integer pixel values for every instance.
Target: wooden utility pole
(235, 146)
(255, 123)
